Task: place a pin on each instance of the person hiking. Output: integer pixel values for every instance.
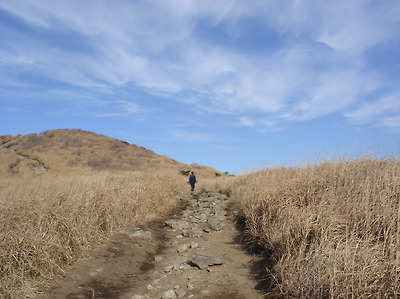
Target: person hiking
(192, 180)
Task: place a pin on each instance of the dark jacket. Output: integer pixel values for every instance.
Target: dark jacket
(192, 178)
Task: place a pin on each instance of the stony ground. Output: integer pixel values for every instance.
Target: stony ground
(197, 253)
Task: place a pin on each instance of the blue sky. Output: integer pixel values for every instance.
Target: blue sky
(235, 85)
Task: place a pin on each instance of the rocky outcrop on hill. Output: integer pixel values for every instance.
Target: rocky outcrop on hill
(19, 159)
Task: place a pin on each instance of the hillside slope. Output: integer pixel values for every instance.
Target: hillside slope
(64, 192)
(58, 151)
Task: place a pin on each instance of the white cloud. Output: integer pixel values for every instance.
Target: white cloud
(260, 123)
(318, 69)
(385, 112)
(246, 121)
(130, 107)
(28, 11)
(391, 122)
(329, 93)
(356, 26)
(349, 26)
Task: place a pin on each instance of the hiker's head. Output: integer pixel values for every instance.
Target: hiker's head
(192, 172)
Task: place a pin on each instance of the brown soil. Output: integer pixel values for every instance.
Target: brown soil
(124, 267)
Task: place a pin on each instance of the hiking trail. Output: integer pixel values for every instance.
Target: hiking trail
(196, 253)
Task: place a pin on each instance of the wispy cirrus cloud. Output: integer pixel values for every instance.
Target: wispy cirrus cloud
(318, 66)
(384, 112)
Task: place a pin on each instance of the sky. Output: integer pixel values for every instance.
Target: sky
(235, 85)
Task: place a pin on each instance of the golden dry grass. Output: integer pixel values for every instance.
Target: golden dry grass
(89, 188)
(329, 231)
(50, 222)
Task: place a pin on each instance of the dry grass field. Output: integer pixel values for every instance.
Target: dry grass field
(328, 231)
(64, 191)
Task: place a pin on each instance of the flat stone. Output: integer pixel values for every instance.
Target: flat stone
(221, 213)
(220, 217)
(205, 259)
(169, 295)
(177, 224)
(218, 195)
(204, 205)
(184, 267)
(202, 217)
(182, 248)
(214, 224)
(156, 281)
(135, 232)
(205, 199)
(192, 233)
(194, 245)
(180, 292)
(176, 263)
(218, 208)
(222, 196)
(205, 211)
(193, 203)
(149, 287)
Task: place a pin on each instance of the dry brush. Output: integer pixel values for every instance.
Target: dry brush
(49, 222)
(329, 230)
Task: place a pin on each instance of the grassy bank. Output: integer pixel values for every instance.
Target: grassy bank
(49, 222)
(330, 230)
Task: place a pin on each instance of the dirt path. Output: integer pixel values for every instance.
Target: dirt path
(194, 254)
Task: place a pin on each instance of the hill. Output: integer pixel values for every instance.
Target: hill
(60, 151)
(64, 192)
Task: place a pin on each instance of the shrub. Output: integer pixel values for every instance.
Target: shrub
(184, 172)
